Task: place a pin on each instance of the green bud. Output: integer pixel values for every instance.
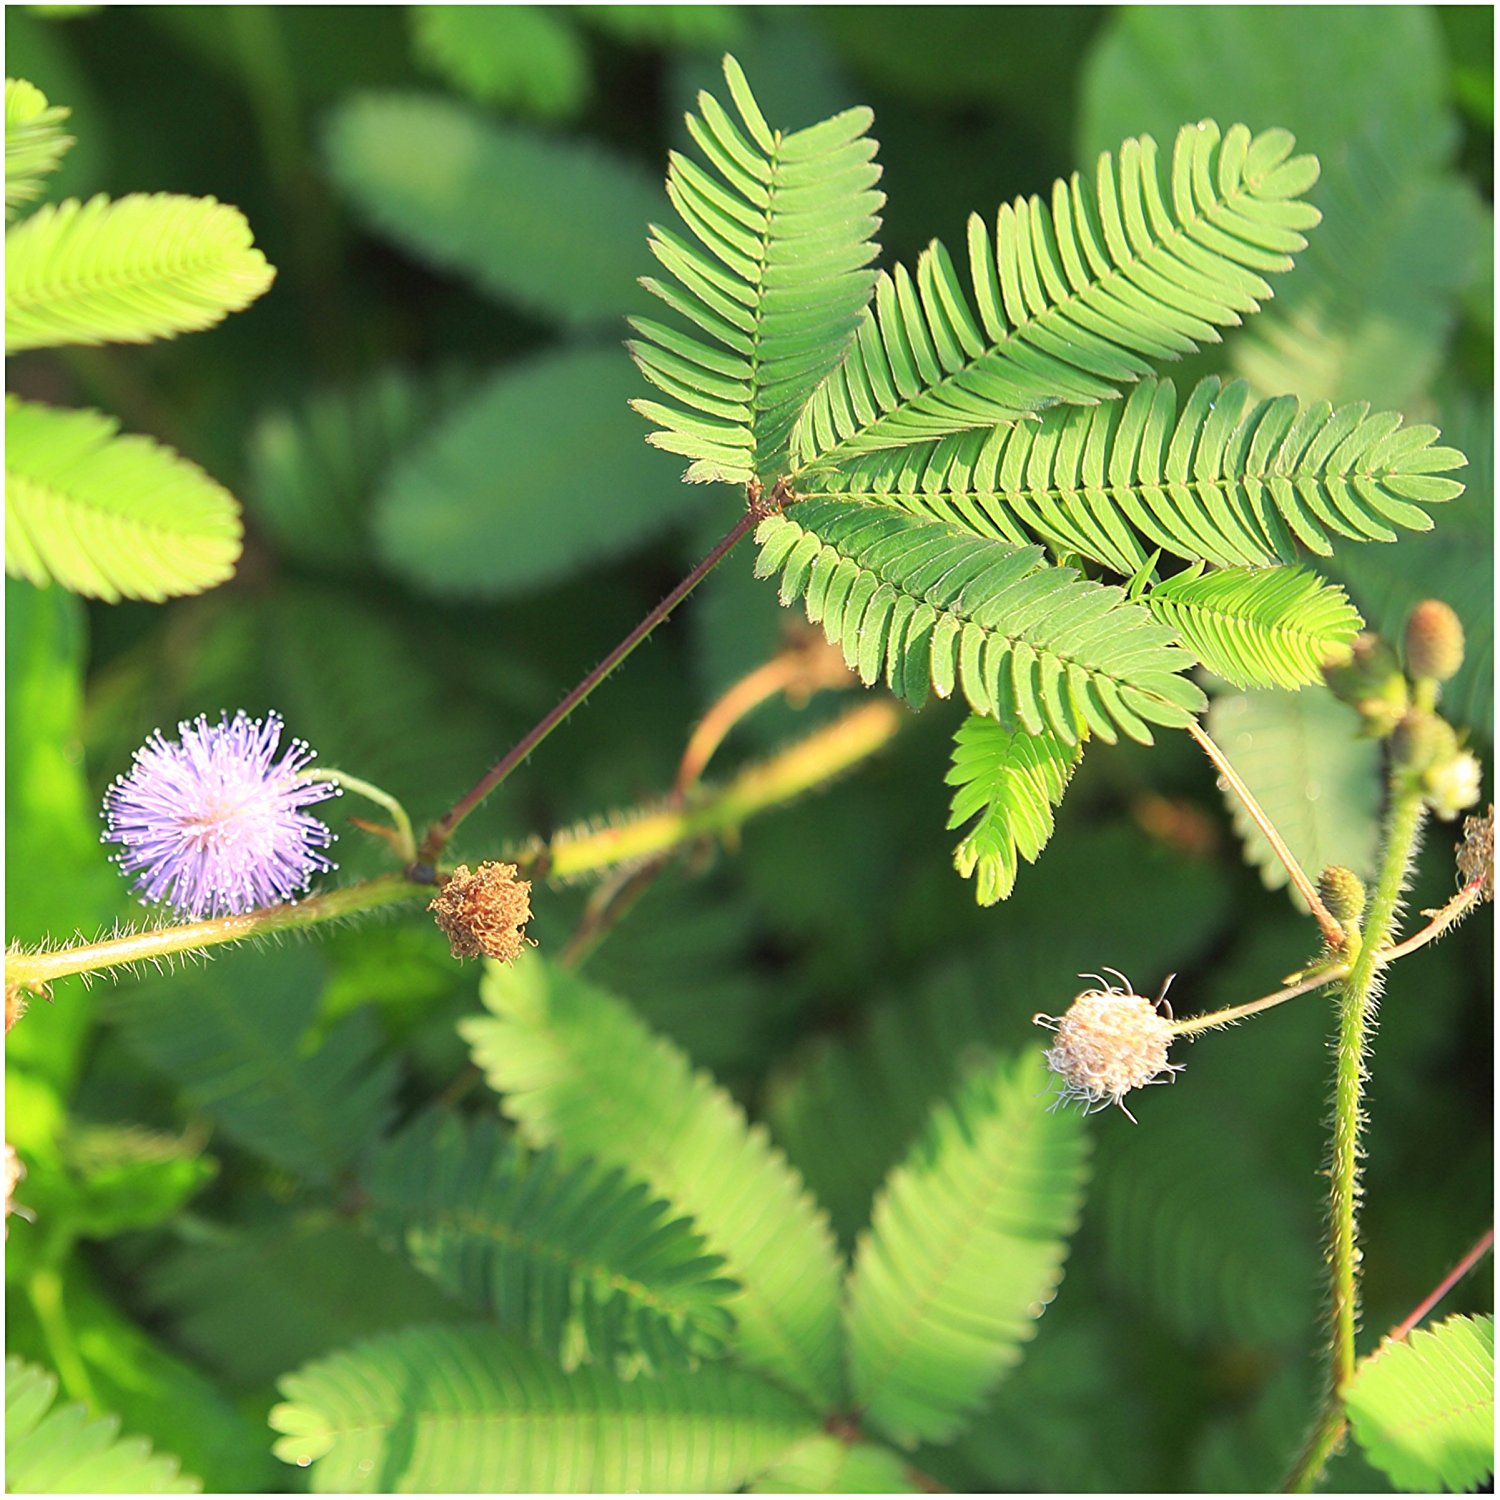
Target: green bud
(1434, 642)
(1422, 740)
(1343, 893)
(1372, 682)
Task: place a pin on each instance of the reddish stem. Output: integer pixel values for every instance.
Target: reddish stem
(1446, 1285)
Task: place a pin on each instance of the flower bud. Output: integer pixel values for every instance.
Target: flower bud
(1343, 893)
(483, 912)
(1109, 1042)
(1370, 681)
(1422, 740)
(1476, 855)
(1452, 785)
(1434, 642)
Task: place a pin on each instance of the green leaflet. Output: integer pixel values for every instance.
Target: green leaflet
(451, 1410)
(143, 267)
(965, 1249)
(62, 1450)
(551, 225)
(579, 1261)
(772, 289)
(525, 56)
(477, 507)
(1319, 784)
(1073, 303)
(1272, 627)
(1227, 480)
(578, 1070)
(827, 1465)
(107, 516)
(1370, 310)
(1009, 781)
(229, 1038)
(34, 141)
(1424, 1410)
(933, 606)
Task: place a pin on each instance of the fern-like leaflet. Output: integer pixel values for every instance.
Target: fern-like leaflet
(785, 221)
(930, 604)
(1074, 303)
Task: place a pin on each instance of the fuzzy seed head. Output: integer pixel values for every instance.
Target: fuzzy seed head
(1476, 855)
(1109, 1042)
(483, 912)
(1434, 641)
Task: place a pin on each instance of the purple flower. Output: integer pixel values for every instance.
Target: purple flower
(214, 822)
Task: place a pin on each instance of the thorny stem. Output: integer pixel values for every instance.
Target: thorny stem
(443, 830)
(1477, 1253)
(1442, 919)
(1333, 931)
(1403, 821)
(803, 765)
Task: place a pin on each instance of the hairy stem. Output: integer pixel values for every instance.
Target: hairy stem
(1356, 1004)
(1332, 929)
(1227, 1017)
(438, 835)
(822, 755)
(33, 971)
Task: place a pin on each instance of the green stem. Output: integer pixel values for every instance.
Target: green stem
(1356, 1004)
(405, 842)
(45, 1289)
(1227, 1017)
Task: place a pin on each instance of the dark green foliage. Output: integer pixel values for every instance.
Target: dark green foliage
(764, 1186)
(576, 1262)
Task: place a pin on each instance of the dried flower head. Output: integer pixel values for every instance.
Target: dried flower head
(483, 911)
(1476, 855)
(1110, 1041)
(212, 823)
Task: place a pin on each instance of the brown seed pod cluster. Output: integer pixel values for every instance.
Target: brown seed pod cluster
(483, 912)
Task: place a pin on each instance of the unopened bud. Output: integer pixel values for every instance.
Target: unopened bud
(1434, 641)
(1452, 785)
(484, 911)
(1372, 682)
(1109, 1042)
(1422, 740)
(1343, 893)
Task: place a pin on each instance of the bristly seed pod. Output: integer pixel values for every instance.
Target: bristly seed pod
(1109, 1042)
(1434, 641)
(1343, 893)
(483, 911)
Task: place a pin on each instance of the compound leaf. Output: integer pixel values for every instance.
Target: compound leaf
(62, 1450)
(773, 288)
(128, 270)
(452, 1410)
(827, 1465)
(577, 1260)
(965, 1249)
(107, 516)
(34, 141)
(1008, 781)
(1270, 627)
(1227, 481)
(1073, 303)
(578, 1070)
(1424, 1410)
(931, 605)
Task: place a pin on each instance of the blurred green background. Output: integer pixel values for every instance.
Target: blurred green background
(452, 513)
